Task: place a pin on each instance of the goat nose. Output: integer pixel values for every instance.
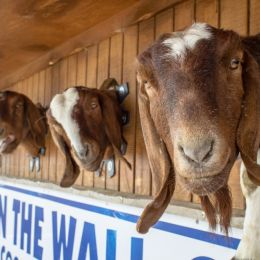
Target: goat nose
(198, 153)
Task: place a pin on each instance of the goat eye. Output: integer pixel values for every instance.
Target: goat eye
(93, 105)
(234, 64)
(19, 106)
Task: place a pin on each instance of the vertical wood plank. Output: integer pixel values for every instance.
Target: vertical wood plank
(115, 71)
(19, 151)
(103, 64)
(33, 95)
(40, 99)
(53, 148)
(234, 16)
(26, 157)
(27, 84)
(88, 177)
(207, 12)
(254, 17)
(183, 15)
(22, 159)
(47, 99)
(143, 173)
(82, 68)
(63, 84)
(127, 176)
(13, 155)
(164, 22)
(29, 92)
(81, 81)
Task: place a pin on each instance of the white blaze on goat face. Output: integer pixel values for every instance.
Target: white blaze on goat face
(249, 247)
(61, 109)
(181, 41)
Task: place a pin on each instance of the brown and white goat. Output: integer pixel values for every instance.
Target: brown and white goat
(21, 122)
(86, 126)
(199, 107)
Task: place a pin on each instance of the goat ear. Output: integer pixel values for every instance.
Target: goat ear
(36, 123)
(248, 136)
(160, 164)
(72, 170)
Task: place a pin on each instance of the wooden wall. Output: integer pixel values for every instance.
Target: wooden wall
(115, 57)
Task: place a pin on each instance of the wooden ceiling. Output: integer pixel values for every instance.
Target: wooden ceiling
(31, 28)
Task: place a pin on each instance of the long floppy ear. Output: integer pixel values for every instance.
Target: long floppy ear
(72, 170)
(112, 119)
(248, 138)
(160, 164)
(36, 123)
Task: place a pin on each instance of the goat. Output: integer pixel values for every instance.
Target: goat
(198, 92)
(249, 246)
(21, 122)
(86, 126)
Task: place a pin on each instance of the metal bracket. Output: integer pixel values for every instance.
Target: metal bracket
(110, 166)
(125, 117)
(34, 163)
(42, 151)
(122, 92)
(123, 147)
(37, 164)
(31, 164)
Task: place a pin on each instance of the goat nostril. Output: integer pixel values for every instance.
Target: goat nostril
(209, 153)
(199, 153)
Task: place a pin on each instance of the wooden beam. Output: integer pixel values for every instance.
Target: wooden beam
(140, 11)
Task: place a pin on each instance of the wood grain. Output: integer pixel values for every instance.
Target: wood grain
(164, 22)
(127, 180)
(41, 88)
(88, 177)
(207, 12)
(183, 15)
(115, 71)
(103, 68)
(234, 16)
(254, 26)
(47, 99)
(63, 83)
(53, 148)
(143, 179)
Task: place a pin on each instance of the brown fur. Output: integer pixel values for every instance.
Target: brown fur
(20, 118)
(100, 130)
(199, 101)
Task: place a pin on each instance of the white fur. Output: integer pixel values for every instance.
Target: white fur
(181, 41)
(61, 108)
(249, 247)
